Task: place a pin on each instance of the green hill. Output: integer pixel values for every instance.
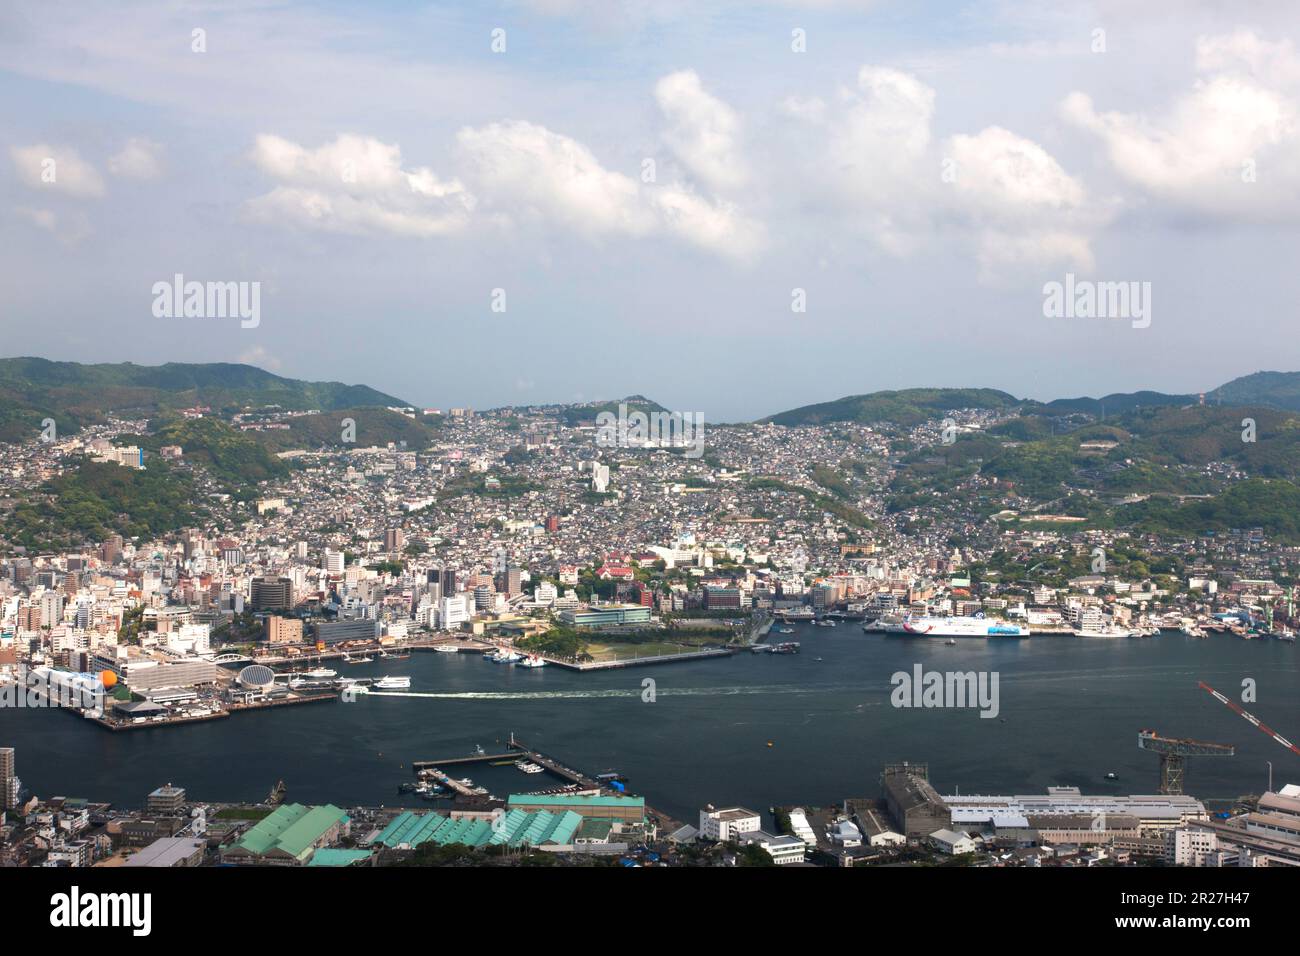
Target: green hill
(75, 394)
(95, 500)
(228, 454)
(910, 406)
(1117, 403)
(374, 426)
(1280, 389)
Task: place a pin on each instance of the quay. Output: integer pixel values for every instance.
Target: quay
(229, 710)
(552, 766)
(641, 661)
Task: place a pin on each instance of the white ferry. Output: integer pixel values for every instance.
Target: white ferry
(392, 683)
(962, 627)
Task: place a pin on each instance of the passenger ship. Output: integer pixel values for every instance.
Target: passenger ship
(962, 627)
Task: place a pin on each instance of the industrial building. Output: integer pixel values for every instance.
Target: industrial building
(513, 828)
(290, 835)
(621, 809)
(1065, 815)
(169, 852)
(915, 807)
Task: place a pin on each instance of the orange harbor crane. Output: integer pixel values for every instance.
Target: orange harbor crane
(1249, 716)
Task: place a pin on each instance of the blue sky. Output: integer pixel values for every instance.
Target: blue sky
(920, 170)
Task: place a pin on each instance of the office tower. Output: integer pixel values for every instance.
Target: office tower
(394, 539)
(271, 594)
(9, 782)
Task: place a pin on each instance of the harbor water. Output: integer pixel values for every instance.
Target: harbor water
(753, 729)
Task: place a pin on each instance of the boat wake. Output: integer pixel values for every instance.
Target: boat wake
(661, 691)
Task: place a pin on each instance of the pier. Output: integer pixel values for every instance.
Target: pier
(520, 750)
(641, 661)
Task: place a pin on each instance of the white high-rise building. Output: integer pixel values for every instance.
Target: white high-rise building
(599, 477)
(190, 639)
(455, 611)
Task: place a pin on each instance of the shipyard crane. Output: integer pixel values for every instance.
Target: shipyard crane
(1174, 752)
(1249, 716)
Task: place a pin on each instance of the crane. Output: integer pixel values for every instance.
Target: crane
(1249, 716)
(1174, 752)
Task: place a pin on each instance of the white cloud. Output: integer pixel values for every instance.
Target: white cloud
(1002, 196)
(355, 185)
(1227, 146)
(1026, 208)
(527, 173)
(57, 169)
(138, 159)
(703, 131)
(69, 228)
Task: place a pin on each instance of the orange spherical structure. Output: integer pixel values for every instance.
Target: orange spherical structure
(108, 679)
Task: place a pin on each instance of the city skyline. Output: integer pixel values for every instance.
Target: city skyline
(912, 179)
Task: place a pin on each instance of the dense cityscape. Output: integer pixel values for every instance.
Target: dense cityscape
(590, 538)
(452, 450)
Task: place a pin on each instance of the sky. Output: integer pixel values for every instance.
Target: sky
(733, 208)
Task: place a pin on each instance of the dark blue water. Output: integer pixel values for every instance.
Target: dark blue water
(1071, 710)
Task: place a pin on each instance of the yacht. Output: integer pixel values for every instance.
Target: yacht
(527, 766)
(506, 656)
(447, 649)
(320, 673)
(532, 660)
(392, 683)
